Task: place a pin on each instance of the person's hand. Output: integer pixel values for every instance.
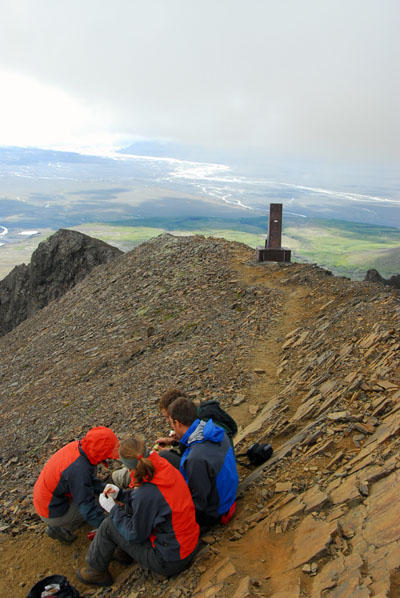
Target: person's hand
(164, 441)
(105, 502)
(111, 491)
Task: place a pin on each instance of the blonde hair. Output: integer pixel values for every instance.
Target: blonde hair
(134, 448)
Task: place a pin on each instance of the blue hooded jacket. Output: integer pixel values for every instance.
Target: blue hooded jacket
(209, 468)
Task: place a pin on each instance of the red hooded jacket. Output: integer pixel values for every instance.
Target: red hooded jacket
(70, 475)
(162, 512)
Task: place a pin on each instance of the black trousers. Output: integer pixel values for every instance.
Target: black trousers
(108, 538)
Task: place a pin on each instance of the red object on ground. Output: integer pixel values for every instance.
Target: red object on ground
(91, 534)
(225, 519)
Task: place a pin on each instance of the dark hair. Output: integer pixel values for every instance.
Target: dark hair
(169, 396)
(183, 410)
(133, 448)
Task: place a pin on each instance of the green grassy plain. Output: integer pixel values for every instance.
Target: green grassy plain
(126, 237)
(345, 248)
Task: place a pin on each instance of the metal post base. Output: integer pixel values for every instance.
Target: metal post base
(279, 254)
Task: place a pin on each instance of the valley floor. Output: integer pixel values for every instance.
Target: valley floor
(345, 248)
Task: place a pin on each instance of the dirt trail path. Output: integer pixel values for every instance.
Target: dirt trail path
(267, 354)
(262, 555)
(249, 553)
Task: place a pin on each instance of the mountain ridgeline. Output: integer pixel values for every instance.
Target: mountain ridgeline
(374, 276)
(304, 360)
(56, 266)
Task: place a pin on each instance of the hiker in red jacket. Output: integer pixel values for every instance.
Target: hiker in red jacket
(158, 528)
(65, 493)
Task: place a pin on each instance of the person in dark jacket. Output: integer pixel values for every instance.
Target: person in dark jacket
(206, 410)
(159, 528)
(208, 463)
(65, 493)
(121, 477)
(169, 447)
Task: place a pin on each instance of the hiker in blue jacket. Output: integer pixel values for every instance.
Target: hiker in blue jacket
(207, 464)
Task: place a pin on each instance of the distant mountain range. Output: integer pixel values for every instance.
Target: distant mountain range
(32, 155)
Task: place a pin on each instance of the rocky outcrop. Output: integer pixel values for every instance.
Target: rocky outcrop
(374, 276)
(56, 265)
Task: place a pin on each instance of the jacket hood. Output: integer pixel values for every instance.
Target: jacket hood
(100, 444)
(200, 431)
(164, 476)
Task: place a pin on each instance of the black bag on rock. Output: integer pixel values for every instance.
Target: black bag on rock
(257, 454)
(65, 589)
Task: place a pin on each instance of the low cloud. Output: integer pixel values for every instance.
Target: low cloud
(294, 78)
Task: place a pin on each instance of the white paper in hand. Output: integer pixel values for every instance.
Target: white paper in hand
(106, 503)
(111, 490)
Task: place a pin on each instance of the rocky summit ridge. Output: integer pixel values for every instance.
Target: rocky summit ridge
(306, 361)
(374, 276)
(56, 265)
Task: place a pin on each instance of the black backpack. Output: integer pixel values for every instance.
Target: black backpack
(212, 410)
(65, 591)
(257, 454)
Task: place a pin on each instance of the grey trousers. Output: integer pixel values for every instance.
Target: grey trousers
(108, 538)
(71, 520)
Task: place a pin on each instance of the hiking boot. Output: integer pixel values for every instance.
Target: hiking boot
(62, 534)
(92, 576)
(122, 557)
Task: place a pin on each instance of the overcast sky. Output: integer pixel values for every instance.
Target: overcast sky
(291, 77)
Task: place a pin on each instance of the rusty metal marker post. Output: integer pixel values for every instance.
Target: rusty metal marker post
(273, 252)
